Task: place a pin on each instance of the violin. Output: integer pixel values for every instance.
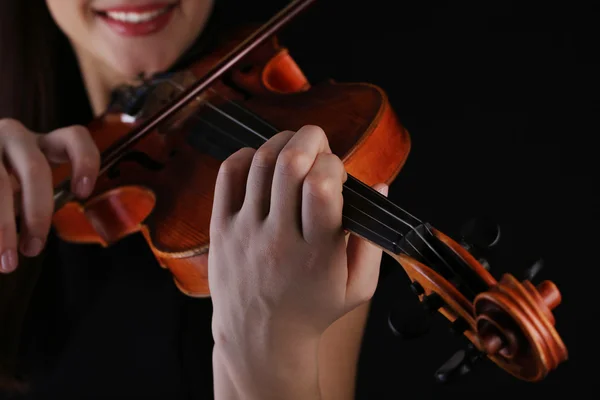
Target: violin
(162, 144)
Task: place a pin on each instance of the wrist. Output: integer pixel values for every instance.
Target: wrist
(268, 367)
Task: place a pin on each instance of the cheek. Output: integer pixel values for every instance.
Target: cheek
(71, 18)
(129, 57)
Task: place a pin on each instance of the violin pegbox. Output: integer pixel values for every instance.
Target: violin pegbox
(509, 322)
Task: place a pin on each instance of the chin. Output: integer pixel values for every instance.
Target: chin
(132, 67)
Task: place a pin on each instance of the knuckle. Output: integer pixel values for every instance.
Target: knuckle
(294, 162)
(322, 186)
(315, 130)
(265, 157)
(11, 127)
(228, 167)
(37, 167)
(220, 227)
(80, 130)
(10, 124)
(90, 162)
(77, 135)
(217, 228)
(335, 161)
(315, 133)
(38, 219)
(232, 165)
(91, 158)
(75, 132)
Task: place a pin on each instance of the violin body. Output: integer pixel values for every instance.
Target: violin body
(164, 186)
(137, 195)
(161, 156)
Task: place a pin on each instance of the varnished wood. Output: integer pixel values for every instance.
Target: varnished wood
(509, 321)
(361, 127)
(165, 191)
(356, 118)
(512, 322)
(531, 347)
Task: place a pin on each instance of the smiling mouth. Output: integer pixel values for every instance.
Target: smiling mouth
(138, 20)
(136, 15)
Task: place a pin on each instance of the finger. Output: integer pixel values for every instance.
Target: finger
(260, 177)
(16, 192)
(230, 186)
(293, 165)
(74, 144)
(364, 260)
(8, 230)
(35, 177)
(322, 199)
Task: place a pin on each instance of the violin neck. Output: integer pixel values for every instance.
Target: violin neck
(373, 216)
(366, 212)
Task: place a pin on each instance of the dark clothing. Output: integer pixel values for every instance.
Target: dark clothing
(110, 323)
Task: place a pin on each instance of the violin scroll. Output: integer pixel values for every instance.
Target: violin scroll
(509, 322)
(515, 327)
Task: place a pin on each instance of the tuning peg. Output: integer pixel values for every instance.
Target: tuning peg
(416, 288)
(481, 233)
(531, 272)
(459, 326)
(478, 236)
(432, 302)
(413, 325)
(460, 364)
(408, 328)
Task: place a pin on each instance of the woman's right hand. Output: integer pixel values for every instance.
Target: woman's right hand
(26, 187)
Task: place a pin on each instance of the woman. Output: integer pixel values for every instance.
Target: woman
(94, 327)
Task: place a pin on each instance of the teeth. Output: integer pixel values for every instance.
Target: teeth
(134, 17)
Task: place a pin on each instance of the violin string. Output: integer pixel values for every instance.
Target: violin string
(374, 192)
(239, 107)
(223, 131)
(390, 228)
(254, 132)
(244, 110)
(385, 199)
(223, 113)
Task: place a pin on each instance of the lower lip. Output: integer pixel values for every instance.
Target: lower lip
(141, 28)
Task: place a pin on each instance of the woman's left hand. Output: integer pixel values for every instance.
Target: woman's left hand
(280, 270)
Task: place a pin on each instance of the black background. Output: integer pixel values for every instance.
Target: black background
(500, 98)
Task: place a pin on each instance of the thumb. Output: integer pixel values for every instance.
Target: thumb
(364, 260)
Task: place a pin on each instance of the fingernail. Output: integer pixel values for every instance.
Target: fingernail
(84, 187)
(32, 247)
(9, 260)
(384, 190)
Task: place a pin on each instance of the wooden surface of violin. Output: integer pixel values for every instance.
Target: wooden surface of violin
(511, 322)
(162, 186)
